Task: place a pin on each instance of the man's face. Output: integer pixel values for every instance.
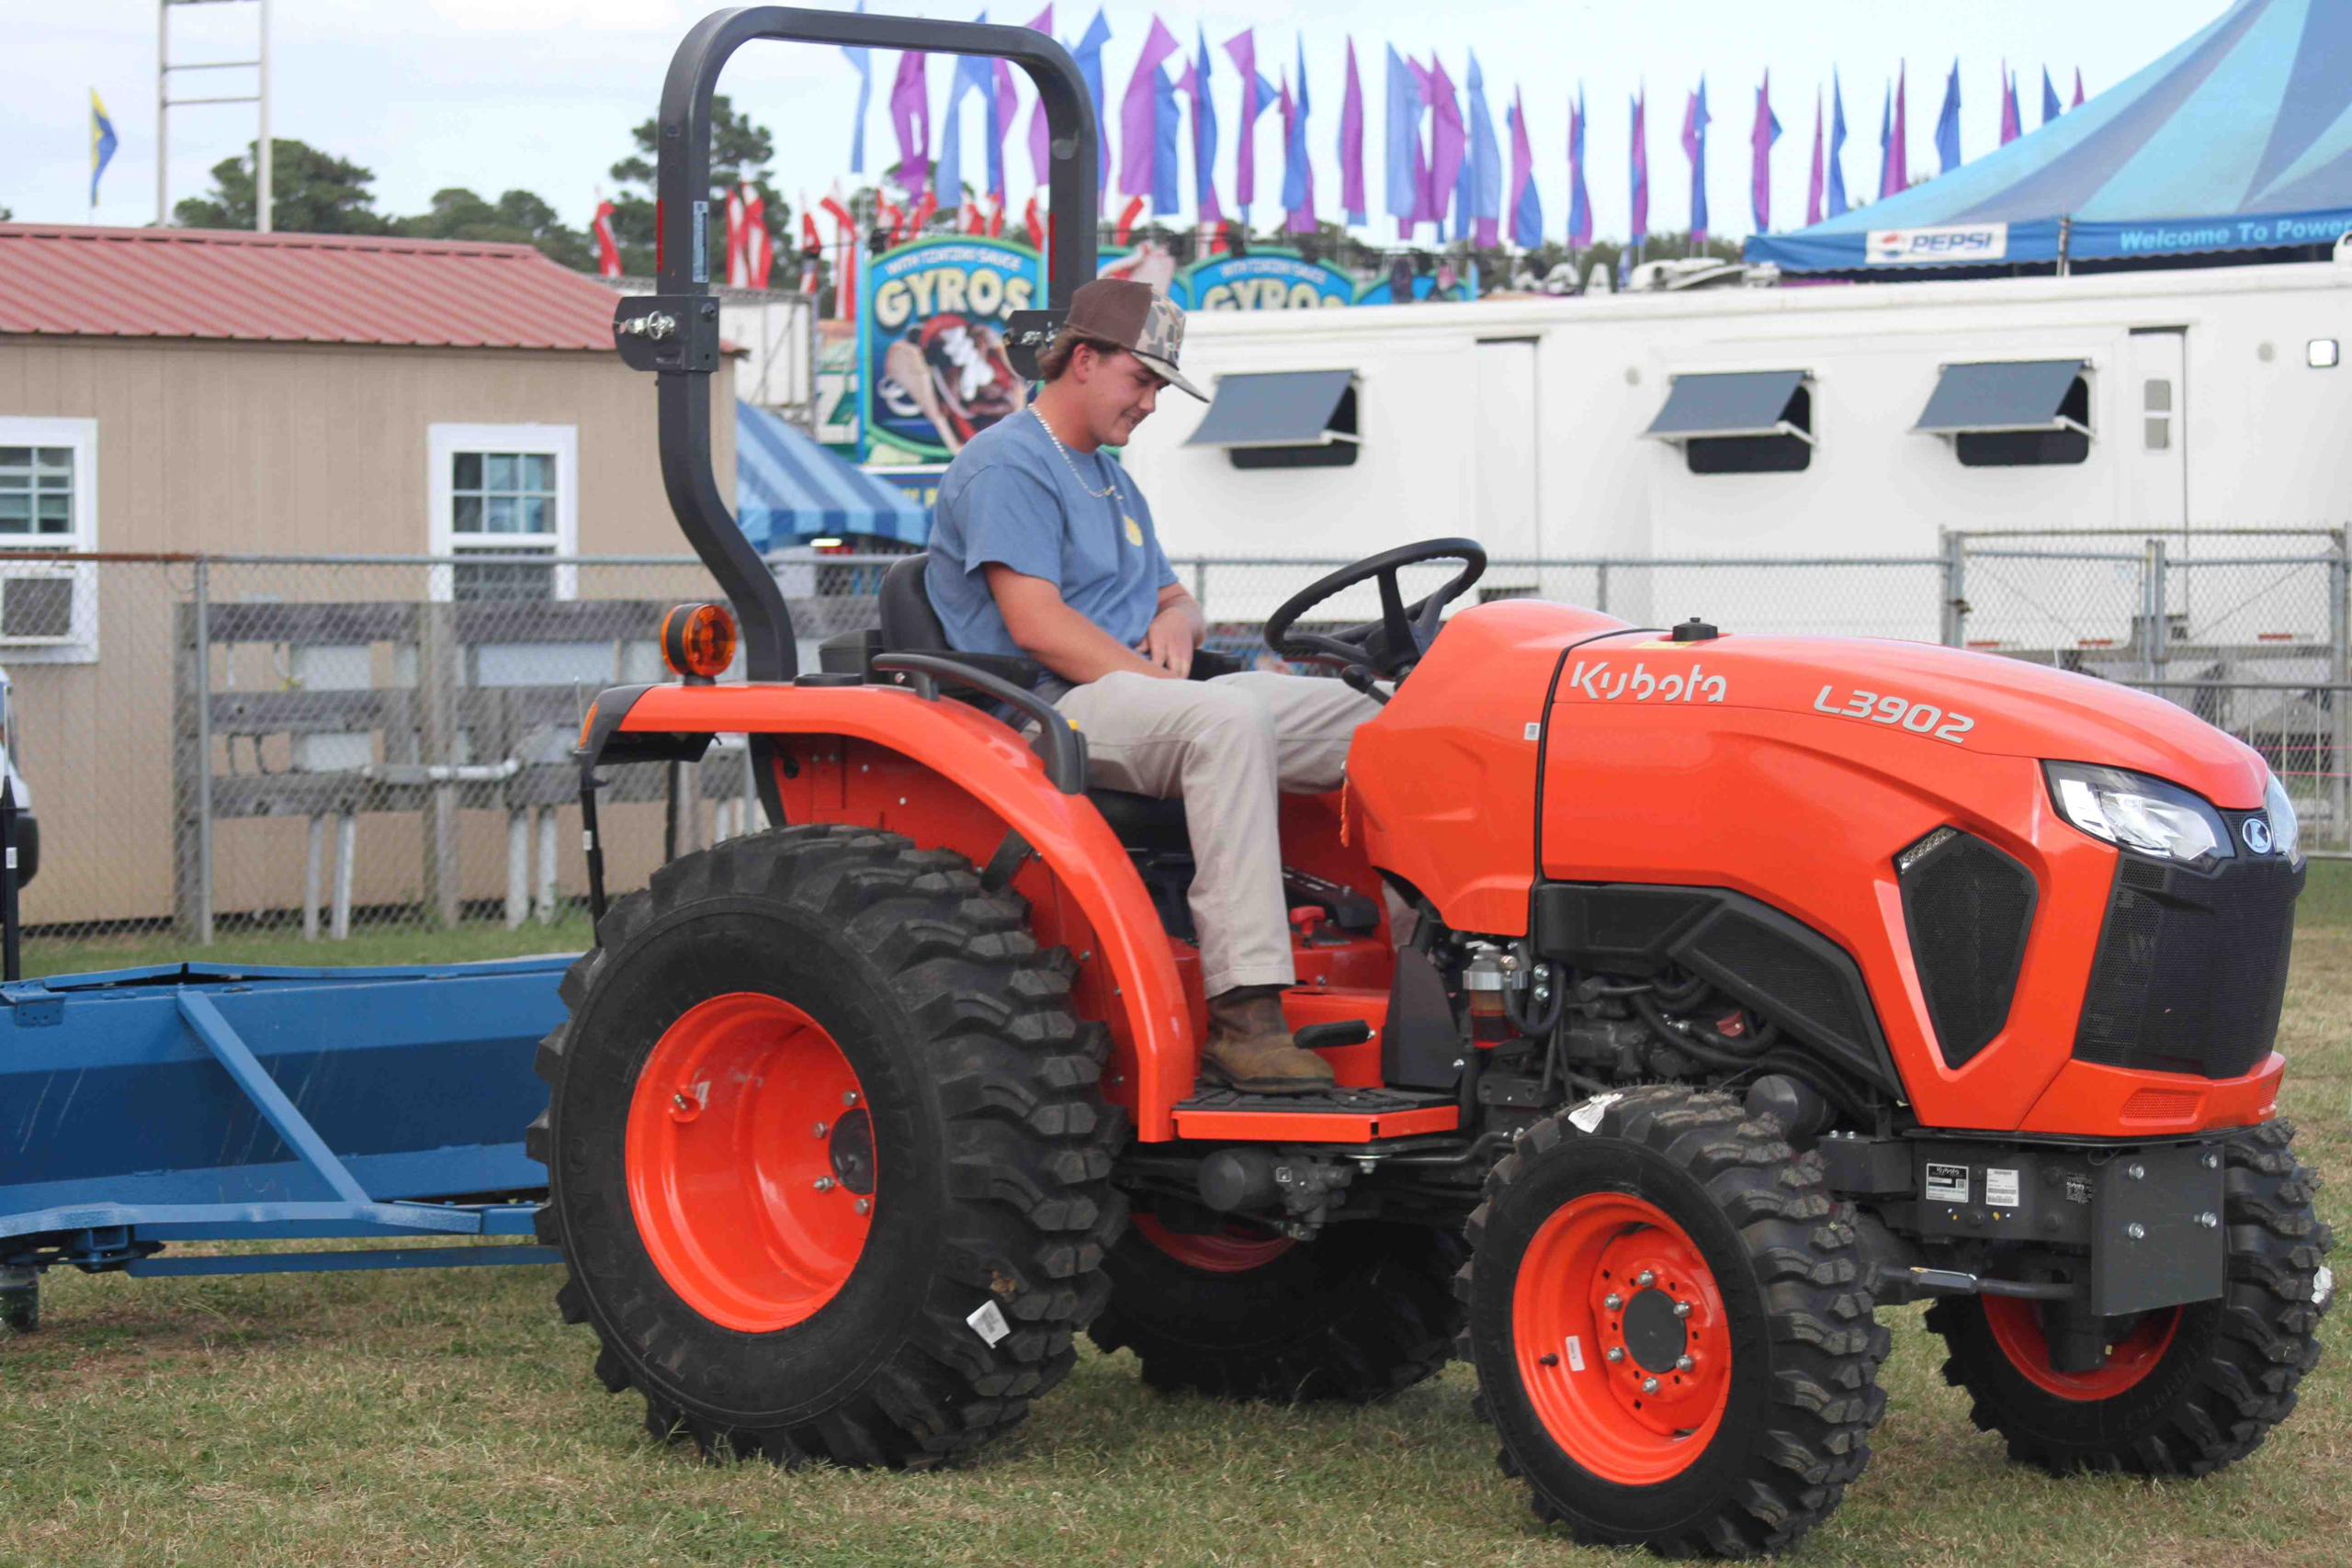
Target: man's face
(1121, 392)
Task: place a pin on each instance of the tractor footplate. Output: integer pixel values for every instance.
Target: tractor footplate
(1330, 1116)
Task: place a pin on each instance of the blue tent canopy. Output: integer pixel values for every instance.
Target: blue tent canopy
(2238, 140)
(789, 489)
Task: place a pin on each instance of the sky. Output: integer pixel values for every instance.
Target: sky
(493, 95)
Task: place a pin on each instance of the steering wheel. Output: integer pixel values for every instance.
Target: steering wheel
(1395, 643)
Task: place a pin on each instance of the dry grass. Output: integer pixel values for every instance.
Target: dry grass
(448, 1418)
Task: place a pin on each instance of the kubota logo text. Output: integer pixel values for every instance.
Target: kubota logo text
(1597, 682)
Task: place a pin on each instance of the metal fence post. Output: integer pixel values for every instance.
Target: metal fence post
(1201, 585)
(2340, 673)
(2152, 631)
(436, 690)
(203, 594)
(1954, 614)
(1600, 587)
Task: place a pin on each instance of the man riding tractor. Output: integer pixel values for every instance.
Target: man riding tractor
(1043, 548)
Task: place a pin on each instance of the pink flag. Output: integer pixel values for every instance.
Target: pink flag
(1812, 187)
(1766, 131)
(911, 114)
(1138, 113)
(1902, 136)
(2008, 106)
(2078, 87)
(1242, 50)
(1351, 143)
(608, 249)
(1040, 138)
(1526, 223)
(1448, 142)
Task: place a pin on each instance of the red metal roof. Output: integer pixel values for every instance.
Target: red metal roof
(200, 282)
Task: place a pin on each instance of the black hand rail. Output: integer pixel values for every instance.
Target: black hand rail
(675, 332)
(1058, 744)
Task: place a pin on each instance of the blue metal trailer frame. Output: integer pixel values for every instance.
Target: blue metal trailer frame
(214, 1102)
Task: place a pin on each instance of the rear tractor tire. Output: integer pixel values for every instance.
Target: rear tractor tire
(826, 1158)
(2186, 1389)
(1671, 1331)
(1363, 1311)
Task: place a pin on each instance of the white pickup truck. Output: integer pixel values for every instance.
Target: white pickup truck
(28, 825)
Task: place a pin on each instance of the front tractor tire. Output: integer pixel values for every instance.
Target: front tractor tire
(1671, 1326)
(826, 1158)
(1363, 1311)
(2185, 1389)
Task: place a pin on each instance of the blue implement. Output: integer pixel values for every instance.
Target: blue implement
(207, 1102)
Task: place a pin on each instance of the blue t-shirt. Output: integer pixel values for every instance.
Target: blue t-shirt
(1009, 498)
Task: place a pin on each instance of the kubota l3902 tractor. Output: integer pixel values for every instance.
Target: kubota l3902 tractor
(1754, 983)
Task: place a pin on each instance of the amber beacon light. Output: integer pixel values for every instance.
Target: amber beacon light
(698, 641)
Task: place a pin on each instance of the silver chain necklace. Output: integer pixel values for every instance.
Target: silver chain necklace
(1105, 493)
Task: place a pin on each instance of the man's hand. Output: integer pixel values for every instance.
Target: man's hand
(1173, 634)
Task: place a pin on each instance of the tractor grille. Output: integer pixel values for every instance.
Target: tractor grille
(1969, 908)
(2191, 969)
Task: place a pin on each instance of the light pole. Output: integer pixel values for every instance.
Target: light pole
(165, 103)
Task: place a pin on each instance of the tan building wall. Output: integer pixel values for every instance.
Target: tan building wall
(267, 448)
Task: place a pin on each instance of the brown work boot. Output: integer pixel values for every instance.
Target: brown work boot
(1250, 1048)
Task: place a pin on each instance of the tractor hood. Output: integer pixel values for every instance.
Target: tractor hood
(1945, 697)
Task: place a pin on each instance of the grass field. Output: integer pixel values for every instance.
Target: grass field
(447, 1417)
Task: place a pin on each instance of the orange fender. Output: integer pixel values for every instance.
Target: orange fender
(949, 776)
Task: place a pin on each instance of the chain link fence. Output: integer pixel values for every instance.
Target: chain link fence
(310, 747)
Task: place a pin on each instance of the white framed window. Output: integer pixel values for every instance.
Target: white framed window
(48, 501)
(504, 490)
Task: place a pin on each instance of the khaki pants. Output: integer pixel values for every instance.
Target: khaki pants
(1226, 746)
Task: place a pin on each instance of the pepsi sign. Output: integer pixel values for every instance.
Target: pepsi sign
(1947, 245)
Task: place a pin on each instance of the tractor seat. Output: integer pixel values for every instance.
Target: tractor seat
(910, 626)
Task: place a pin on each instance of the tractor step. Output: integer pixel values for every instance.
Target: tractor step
(1330, 1116)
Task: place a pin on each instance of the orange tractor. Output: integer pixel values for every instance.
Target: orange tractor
(1757, 983)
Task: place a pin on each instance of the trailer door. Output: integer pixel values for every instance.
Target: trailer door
(2155, 427)
(1505, 489)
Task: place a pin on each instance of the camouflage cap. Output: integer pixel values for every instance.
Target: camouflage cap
(1135, 317)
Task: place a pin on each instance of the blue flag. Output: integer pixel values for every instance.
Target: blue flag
(1165, 195)
(1947, 123)
(972, 75)
(862, 61)
(2051, 108)
(1403, 126)
(102, 144)
(1298, 174)
(1089, 54)
(1836, 145)
(1483, 169)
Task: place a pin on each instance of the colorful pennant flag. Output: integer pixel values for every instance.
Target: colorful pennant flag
(1403, 127)
(1947, 123)
(1003, 104)
(1902, 126)
(1139, 115)
(1040, 155)
(1449, 144)
(1812, 187)
(2078, 88)
(1761, 138)
(1351, 145)
(1089, 54)
(102, 144)
(1198, 76)
(910, 118)
(1242, 50)
(1485, 167)
(608, 246)
(1526, 202)
(2051, 108)
(1298, 168)
(861, 62)
(971, 76)
(1166, 129)
(1579, 202)
(2010, 128)
(1639, 230)
(738, 251)
(1695, 120)
(1837, 146)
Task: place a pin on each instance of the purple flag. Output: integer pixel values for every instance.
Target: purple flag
(1579, 202)
(1902, 135)
(911, 116)
(1526, 207)
(1242, 48)
(1000, 111)
(1766, 131)
(1040, 138)
(1139, 114)
(1641, 173)
(2010, 127)
(1197, 82)
(1695, 120)
(1813, 187)
(2078, 88)
(1448, 142)
(1351, 143)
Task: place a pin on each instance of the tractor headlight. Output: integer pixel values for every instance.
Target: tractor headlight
(2134, 811)
(2286, 831)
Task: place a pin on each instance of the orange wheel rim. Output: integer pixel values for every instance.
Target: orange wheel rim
(1622, 1340)
(750, 1158)
(1230, 1251)
(2017, 1329)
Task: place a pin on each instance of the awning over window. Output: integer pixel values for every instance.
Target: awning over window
(789, 489)
(1740, 403)
(1279, 408)
(2015, 394)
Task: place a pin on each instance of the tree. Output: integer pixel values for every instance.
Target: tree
(519, 217)
(311, 193)
(740, 152)
(5, 215)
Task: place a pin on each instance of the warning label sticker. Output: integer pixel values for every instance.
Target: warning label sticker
(1947, 1183)
(2001, 1188)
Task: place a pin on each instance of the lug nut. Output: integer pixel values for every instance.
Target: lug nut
(818, 1130)
(1616, 1354)
(2136, 1231)
(1612, 1301)
(2209, 1220)
(1649, 1385)
(824, 1184)
(864, 1206)
(2136, 1171)
(2212, 1162)
(1683, 1363)
(680, 1102)
(849, 1097)
(1682, 1309)
(1644, 1278)
(1547, 1360)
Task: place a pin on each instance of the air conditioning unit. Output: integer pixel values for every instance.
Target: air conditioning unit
(42, 603)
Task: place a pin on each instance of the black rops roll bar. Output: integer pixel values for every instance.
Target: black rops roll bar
(675, 332)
